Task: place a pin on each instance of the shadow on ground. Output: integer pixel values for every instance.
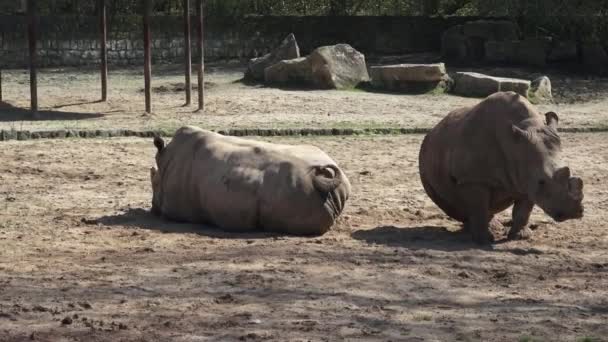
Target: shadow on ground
(433, 238)
(422, 237)
(144, 219)
(9, 113)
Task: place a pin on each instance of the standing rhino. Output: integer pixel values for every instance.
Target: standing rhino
(479, 161)
(243, 185)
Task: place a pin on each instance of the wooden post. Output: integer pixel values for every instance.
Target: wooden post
(104, 50)
(188, 51)
(31, 14)
(147, 55)
(201, 51)
(0, 85)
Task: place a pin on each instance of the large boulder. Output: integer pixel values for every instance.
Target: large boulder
(479, 85)
(540, 90)
(338, 67)
(296, 71)
(409, 77)
(328, 67)
(287, 50)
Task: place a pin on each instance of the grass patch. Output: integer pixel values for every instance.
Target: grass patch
(529, 339)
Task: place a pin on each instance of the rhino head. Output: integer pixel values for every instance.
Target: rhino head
(550, 187)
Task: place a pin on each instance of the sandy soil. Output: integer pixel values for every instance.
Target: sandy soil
(81, 259)
(67, 98)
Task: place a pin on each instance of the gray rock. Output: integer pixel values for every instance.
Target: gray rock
(407, 72)
(287, 50)
(540, 90)
(296, 71)
(338, 67)
(479, 85)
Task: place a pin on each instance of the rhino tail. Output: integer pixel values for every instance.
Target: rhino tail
(327, 178)
(159, 143)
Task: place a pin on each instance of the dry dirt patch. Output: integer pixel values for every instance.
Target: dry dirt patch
(68, 99)
(82, 259)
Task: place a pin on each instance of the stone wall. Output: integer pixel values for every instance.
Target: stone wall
(72, 41)
(501, 42)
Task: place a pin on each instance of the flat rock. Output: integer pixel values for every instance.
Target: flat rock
(408, 77)
(479, 85)
(408, 72)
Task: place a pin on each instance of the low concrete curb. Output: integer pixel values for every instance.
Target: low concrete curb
(7, 135)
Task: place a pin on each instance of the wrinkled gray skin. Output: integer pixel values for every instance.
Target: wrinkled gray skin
(478, 161)
(244, 185)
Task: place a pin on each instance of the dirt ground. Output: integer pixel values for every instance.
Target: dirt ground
(81, 259)
(68, 98)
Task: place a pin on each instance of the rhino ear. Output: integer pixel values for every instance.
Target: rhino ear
(326, 178)
(520, 133)
(552, 119)
(562, 174)
(159, 143)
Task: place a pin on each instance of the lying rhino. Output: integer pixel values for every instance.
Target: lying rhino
(479, 161)
(242, 185)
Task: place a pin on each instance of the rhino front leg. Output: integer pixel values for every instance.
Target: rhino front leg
(476, 198)
(521, 215)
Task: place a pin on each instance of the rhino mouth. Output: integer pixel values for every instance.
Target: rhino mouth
(334, 203)
(561, 216)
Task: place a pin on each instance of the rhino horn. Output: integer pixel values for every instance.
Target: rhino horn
(159, 143)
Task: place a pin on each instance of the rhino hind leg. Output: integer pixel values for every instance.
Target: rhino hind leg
(476, 200)
(521, 215)
(443, 204)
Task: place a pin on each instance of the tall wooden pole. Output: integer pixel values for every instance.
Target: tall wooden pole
(0, 85)
(104, 50)
(147, 55)
(188, 51)
(31, 14)
(201, 51)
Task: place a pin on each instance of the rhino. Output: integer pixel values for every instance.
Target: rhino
(479, 161)
(241, 185)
